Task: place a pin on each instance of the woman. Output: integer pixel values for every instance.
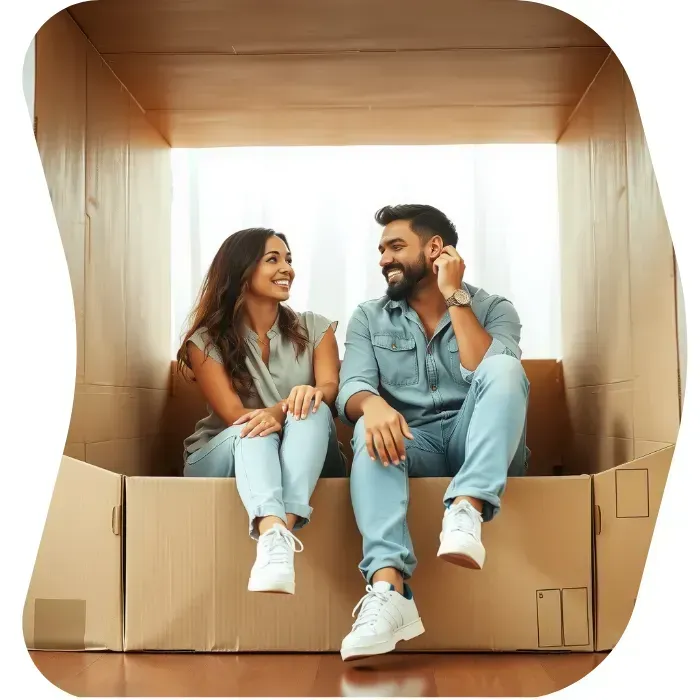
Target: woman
(270, 378)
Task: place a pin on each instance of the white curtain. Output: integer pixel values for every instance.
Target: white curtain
(502, 199)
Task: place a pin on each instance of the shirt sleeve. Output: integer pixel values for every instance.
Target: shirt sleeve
(201, 339)
(317, 326)
(358, 371)
(504, 327)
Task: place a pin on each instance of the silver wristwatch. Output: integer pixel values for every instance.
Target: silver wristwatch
(461, 297)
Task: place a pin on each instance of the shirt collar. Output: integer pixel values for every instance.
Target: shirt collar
(274, 331)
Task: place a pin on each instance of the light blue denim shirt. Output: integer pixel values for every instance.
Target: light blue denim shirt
(387, 353)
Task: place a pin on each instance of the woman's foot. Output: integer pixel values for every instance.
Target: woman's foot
(273, 571)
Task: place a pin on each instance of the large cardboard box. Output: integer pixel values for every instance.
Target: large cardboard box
(564, 563)
(75, 598)
(627, 502)
(188, 557)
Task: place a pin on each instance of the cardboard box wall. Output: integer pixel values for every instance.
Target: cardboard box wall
(564, 562)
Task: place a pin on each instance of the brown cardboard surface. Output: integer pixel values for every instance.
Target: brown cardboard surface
(76, 450)
(655, 342)
(627, 501)
(644, 447)
(188, 557)
(131, 457)
(610, 218)
(106, 205)
(361, 126)
(546, 424)
(590, 454)
(147, 261)
(75, 595)
(132, 26)
(537, 577)
(620, 345)
(578, 278)
(602, 410)
(60, 105)
(384, 79)
(188, 562)
(103, 413)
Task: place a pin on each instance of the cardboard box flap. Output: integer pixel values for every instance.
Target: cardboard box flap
(74, 600)
(627, 500)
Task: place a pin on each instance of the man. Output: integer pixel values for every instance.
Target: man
(433, 382)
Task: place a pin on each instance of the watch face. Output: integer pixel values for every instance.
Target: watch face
(462, 296)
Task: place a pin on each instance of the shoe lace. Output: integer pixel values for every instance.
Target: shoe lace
(464, 517)
(279, 544)
(370, 606)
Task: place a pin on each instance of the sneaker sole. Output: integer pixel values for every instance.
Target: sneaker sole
(467, 559)
(410, 631)
(271, 587)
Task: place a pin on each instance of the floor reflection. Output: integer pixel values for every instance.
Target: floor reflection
(386, 677)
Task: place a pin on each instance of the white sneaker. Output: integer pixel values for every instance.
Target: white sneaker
(460, 539)
(273, 571)
(386, 617)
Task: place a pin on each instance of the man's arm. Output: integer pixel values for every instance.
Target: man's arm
(499, 336)
(501, 331)
(359, 373)
(385, 428)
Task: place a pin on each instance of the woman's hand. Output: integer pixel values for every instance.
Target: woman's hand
(261, 422)
(299, 400)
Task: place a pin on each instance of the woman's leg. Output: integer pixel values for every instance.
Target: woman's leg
(255, 463)
(302, 456)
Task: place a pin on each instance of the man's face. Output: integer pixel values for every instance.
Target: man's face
(403, 261)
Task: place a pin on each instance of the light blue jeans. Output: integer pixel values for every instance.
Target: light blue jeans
(276, 474)
(479, 447)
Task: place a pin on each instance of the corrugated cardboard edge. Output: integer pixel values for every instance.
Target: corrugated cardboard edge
(598, 528)
(61, 623)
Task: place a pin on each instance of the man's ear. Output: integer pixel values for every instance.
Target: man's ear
(435, 247)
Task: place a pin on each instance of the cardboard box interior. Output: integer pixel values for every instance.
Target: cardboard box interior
(104, 144)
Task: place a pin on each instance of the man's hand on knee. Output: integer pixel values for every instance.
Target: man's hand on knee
(385, 430)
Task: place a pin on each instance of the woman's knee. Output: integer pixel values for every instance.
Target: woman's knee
(321, 420)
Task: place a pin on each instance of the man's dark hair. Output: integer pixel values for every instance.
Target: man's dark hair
(424, 220)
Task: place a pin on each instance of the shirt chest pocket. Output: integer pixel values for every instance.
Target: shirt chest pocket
(455, 365)
(397, 359)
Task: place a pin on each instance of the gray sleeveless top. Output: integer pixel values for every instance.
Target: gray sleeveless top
(271, 383)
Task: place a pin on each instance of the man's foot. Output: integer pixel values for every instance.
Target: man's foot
(460, 539)
(385, 618)
(273, 571)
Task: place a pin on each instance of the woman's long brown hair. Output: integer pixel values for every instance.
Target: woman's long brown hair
(219, 307)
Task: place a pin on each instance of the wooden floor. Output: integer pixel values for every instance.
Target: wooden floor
(312, 675)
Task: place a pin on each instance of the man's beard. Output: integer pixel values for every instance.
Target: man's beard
(411, 276)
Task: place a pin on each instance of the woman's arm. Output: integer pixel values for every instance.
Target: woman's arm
(215, 385)
(327, 367)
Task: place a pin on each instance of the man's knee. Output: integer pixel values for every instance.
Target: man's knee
(504, 371)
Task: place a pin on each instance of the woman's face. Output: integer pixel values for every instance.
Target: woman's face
(273, 275)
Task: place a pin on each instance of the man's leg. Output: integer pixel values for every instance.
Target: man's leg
(487, 441)
(388, 613)
(380, 502)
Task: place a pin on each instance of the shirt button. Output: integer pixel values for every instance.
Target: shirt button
(393, 346)
(433, 388)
